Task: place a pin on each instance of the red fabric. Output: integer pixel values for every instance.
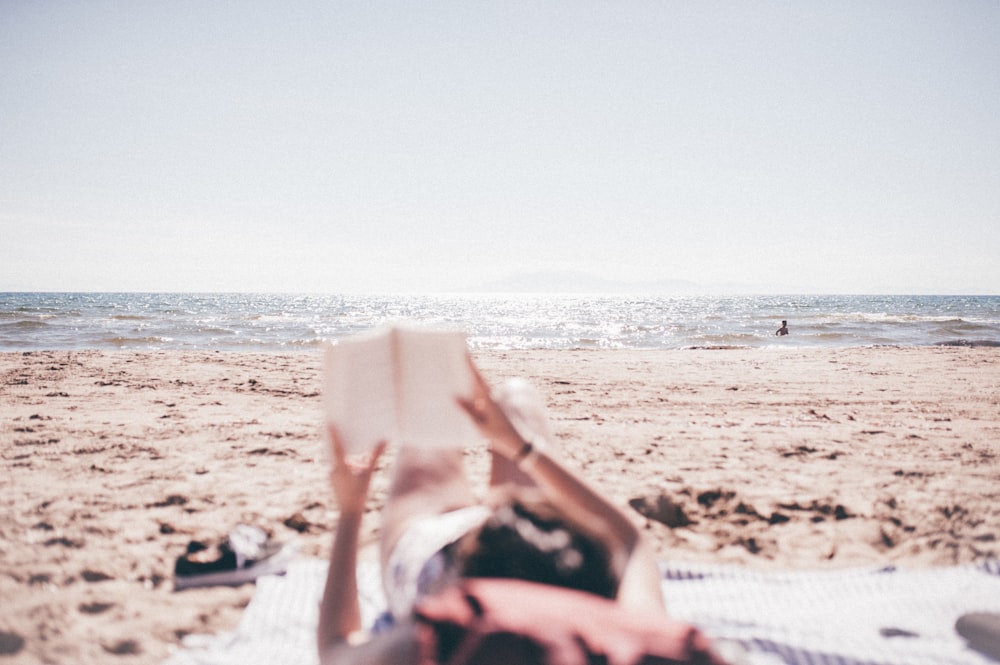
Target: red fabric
(486, 621)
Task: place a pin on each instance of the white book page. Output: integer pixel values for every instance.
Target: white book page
(359, 389)
(433, 373)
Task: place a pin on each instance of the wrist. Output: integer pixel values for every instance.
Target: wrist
(351, 513)
(526, 456)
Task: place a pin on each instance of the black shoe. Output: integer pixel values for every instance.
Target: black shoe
(246, 555)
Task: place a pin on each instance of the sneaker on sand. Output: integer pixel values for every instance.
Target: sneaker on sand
(246, 555)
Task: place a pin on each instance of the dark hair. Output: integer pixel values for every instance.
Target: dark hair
(534, 544)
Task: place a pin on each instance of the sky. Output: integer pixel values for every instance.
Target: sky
(325, 146)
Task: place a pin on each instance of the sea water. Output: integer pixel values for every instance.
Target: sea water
(287, 322)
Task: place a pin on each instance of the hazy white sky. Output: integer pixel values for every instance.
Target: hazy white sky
(846, 147)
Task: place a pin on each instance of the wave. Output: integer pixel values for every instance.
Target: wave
(25, 325)
(970, 343)
(257, 344)
(884, 318)
(120, 341)
(213, 330)
(716, 347)
(9, 315)
(305, 343)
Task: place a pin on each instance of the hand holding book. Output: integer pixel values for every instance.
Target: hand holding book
(399, 385)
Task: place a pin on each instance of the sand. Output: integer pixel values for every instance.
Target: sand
(114, 461)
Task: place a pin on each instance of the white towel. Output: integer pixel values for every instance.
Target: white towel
(870, 616)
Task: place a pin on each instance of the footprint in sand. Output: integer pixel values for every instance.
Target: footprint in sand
(95, 607)
(123, 648)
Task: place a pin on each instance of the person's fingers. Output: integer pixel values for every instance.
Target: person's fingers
(336, 441)
(476, 408)
(358, 463)
(377, 453)
(480, 387)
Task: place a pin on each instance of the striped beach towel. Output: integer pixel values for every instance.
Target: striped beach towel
(858, 616)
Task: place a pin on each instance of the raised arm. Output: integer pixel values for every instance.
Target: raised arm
(339, 610)
(571, 494)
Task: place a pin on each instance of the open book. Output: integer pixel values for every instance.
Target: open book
(399, 385)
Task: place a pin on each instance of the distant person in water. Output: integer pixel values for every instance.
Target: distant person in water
(783, 330)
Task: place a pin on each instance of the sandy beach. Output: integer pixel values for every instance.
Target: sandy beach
(816, 458)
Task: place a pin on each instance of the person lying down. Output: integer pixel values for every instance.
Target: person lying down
(546, 571)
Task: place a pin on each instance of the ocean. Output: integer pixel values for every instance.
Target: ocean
(289, 322)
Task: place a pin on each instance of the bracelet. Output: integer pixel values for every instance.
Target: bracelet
(526, 450)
